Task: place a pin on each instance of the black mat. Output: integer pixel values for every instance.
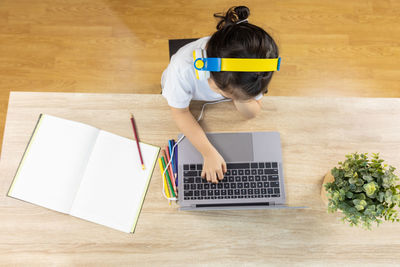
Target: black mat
(175, 44)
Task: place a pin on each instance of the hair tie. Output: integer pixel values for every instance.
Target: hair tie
(235, 15)
(240, 21)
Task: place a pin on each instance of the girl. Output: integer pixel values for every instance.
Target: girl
(235, 38)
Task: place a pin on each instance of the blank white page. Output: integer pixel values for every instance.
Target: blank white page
(54, 163)
(114, 184)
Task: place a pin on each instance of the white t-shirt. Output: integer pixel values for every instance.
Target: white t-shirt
(179, 83)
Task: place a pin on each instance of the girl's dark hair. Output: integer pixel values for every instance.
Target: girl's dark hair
(243, 40)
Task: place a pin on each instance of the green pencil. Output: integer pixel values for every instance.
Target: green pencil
(168, 178)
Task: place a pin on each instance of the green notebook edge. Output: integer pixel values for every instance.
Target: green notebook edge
(147, 188)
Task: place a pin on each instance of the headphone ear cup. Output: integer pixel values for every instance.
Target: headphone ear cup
(200, 53)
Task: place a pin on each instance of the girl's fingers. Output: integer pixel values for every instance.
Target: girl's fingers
(224, 169)
(214, 177)
(208, 177)
(220, 174)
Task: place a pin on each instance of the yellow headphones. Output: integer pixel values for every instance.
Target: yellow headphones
(204, 65)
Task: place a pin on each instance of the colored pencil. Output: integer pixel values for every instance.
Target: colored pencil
(171, 173)
(170, 153)
(170, 146)
(175, 155)
(137, 140)
(164, 179)
(168, 178)
(176, 163)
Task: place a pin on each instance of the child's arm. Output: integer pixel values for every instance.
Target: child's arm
(249, 109)
(214, 165)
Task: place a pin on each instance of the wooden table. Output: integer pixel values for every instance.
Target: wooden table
(316, 133)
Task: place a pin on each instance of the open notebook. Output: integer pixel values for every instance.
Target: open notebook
(83, 171)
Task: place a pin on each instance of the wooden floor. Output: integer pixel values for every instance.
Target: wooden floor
(329, 48)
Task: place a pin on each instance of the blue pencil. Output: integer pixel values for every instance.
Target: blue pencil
(170, 152)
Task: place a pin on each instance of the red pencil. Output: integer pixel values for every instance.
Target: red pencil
(171, 173)
(137, 140)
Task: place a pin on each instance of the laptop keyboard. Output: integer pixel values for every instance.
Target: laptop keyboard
(242, 180)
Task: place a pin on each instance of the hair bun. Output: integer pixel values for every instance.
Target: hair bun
(242, 12)
(232, 16)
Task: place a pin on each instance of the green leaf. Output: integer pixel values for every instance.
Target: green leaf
(388, 196)
(359, 207)
(367, 178)
(335, 172)
(380, 196)
(352, 181)
(396, 199)
(371, 207)
(335, 195)
(360, 182)
(380, 208)
(358, 189)
(360, 196)
(370, 188)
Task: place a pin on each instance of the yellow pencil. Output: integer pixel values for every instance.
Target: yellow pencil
(164, 179)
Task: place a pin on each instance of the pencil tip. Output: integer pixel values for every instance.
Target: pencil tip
(143, 167)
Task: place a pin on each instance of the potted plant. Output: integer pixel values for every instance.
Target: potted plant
(364, 190)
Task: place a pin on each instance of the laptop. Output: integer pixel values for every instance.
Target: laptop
(254, 178)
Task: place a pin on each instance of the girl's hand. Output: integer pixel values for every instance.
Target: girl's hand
(214, 167)
(249, 108)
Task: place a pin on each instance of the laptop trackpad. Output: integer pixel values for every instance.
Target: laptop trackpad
(234, 147)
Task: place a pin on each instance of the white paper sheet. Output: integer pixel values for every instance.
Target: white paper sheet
(54, 164)
(114, 183)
